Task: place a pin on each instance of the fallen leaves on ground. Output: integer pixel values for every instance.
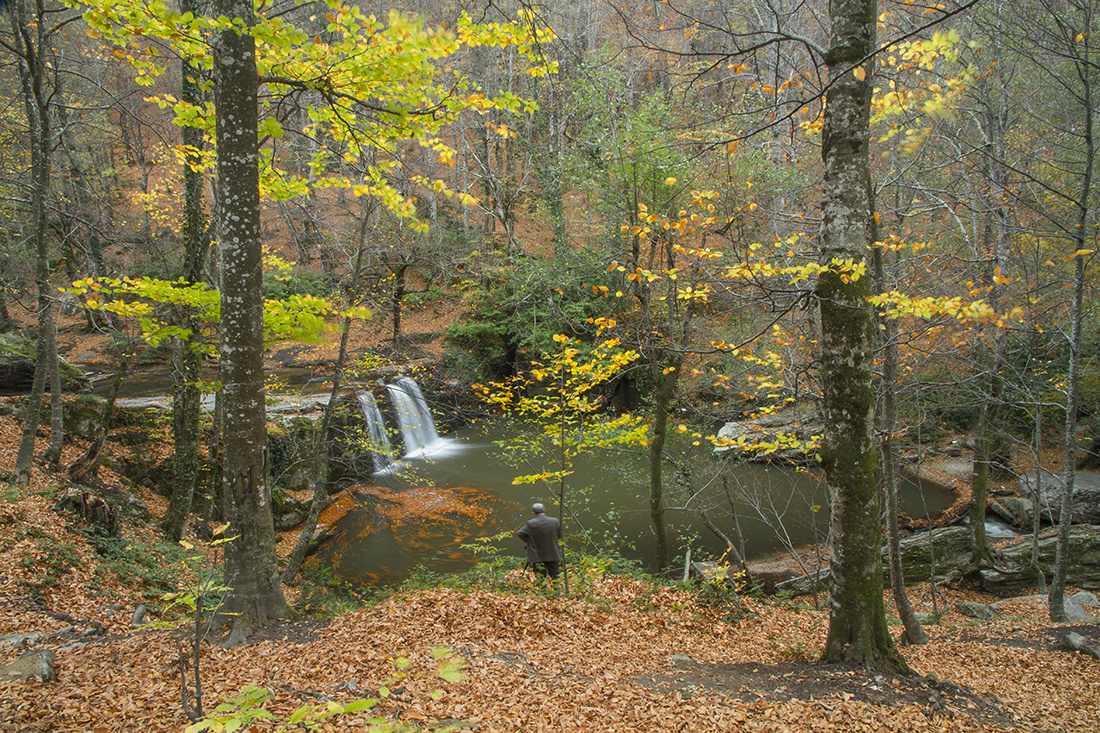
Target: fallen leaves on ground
(617, 655)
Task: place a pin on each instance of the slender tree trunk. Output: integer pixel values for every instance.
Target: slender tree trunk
(397, 299)
(320, 457)
(186, 361)
(551, 174)
(857, 616)
(251, 568)
(1086, 73)
(186, 406)
(888, 330)
(88, 464)
(666, 373)
(29, 30)
(1069, 467)
(318, 479)
(57, 407)
(994, 245)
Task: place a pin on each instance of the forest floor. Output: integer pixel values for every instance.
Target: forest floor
(616, 654)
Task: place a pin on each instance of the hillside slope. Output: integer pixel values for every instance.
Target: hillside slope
(617, 655)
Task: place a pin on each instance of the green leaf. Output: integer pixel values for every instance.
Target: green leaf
(363, 703)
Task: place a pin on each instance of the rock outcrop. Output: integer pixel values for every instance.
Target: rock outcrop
(1086, 495)
(17, 355)
(781, 437)
(944, 553)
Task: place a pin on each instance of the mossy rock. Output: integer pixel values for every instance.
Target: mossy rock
(82, 416)
(17, 359)
(1014, 572)
(952, 550)
(291, 445)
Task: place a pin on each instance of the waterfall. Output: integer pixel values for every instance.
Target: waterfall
(415, 422)
(413, 417)
(376, 429)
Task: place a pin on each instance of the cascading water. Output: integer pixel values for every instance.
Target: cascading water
(413, 418)
(376, 428)
(420, 438)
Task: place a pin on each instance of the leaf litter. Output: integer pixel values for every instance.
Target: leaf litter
(618, 655)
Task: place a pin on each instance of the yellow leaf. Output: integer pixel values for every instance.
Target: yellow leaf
(731, 146)
(670, 181)
(1078, 253)
(860, 73)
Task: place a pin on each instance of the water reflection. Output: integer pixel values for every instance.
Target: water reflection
(422, 513)
(387, 532)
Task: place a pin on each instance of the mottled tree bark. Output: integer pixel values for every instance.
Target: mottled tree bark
(857, 617)
(251, 567)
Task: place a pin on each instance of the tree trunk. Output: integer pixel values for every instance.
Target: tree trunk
(1085, 72)
(88, 464)
(995, 243)
(320, 457)
(888, 331)
(666, 372)
(857, 617)
(397, 299)
(251, 567)
(186, 462)
(186, 361)
(320, 464)
(29, 29)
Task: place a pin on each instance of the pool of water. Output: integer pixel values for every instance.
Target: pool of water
(423, 511)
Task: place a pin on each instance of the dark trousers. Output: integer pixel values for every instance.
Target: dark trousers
(550, 569)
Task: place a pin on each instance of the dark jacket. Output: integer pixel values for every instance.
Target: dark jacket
(541, 535)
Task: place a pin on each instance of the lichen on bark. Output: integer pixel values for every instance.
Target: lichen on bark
(858, 631)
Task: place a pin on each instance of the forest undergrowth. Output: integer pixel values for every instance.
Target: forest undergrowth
(618, 653)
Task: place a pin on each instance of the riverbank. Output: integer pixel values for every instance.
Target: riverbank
(619, 654)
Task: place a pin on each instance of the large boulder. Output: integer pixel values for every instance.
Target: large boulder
(1086, 495)
(776, 437)
(17, 358)
(1076, 642)
(1013, 564)
(938, 552)
(1013, 510)
(947, 550)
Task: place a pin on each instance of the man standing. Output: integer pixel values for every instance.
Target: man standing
(541, 535)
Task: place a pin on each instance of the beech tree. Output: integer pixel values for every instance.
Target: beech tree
(857, 616)
(378, 86)
(251, 569)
